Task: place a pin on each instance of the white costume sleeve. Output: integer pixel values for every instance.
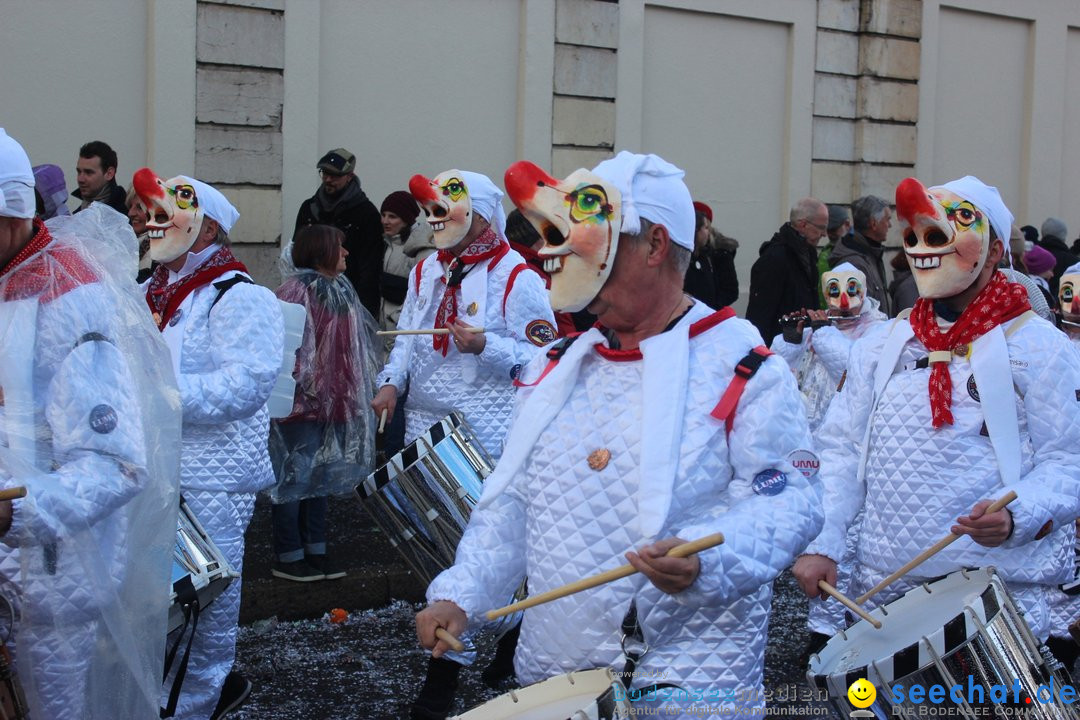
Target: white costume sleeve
(1051, 490)
(527, 303)
(790, 352)
(833, 348)
(247, 335)
(396, 371)
(762, 533)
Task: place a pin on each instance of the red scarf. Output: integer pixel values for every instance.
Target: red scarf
(164, 299)
(998, 302)
(487, 245)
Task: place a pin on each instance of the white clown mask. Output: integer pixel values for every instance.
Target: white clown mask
(579, 219)
(1069, 299)
(175, 214)
(844, 288)
(946, 235)
(446, 204)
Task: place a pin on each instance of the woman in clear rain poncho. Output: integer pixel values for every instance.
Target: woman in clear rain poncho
(327, 444)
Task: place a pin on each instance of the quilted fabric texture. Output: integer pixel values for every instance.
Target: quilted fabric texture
(560, 520)
(919, 480)
(479, 386)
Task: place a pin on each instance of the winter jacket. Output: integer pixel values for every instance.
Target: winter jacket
(866, 256)
(113, 195)
(399, 259)
(1064, 257)
(783, 280)
(711, 276)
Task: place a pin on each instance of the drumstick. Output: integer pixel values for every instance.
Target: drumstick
(428, 331)
(931, 551)
(679, 551)
(845, 600)
(382, 421)
(13, 493)
(444, 635)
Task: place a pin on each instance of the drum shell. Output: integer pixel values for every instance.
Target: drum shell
(583, 695)
(198, 559)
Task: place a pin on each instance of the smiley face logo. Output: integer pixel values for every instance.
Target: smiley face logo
(862, 693)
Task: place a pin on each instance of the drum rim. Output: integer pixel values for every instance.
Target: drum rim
(574, 677)
(380, 476)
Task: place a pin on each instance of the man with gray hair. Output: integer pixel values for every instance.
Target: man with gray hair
(1054, 233)
(871, 217)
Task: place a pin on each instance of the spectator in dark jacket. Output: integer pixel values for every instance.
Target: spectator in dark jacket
(711, 276)
(784, 278)
(870, 218)
(1054, 233)
(902, 290)
(341, 203)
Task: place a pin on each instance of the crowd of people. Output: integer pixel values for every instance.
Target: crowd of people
(589, 342)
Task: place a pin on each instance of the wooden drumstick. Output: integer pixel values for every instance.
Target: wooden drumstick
(847, 602)
(444, 635)
(427, 331)
(13, 493)
(622, 571)
(382, 421)
(931, 551)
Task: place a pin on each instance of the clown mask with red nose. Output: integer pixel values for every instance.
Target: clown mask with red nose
(947, 232)
(844, 288)
(447, 204)
(1069, 299)
(175, 214)
(579, 219)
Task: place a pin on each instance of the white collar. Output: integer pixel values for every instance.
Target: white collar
(194, 260)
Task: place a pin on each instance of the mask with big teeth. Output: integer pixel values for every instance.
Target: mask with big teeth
(579, 219)
(844, 291)
(175, 215)
(1069, 299)
(446, 204)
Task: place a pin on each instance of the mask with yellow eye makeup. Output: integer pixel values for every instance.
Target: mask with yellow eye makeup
(446, 202)
(175, 215)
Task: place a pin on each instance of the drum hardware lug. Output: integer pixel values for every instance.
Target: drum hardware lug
(514, 697)
(644, 646)
(842, 634)
(926, 587)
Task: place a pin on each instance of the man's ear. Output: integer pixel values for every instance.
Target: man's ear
(208, 233)
(996, 253)
(110, 174)
(659, 241)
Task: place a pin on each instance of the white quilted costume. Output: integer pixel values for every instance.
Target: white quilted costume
(89, 424)
(673, 471)
(505, 296)
(916, 480)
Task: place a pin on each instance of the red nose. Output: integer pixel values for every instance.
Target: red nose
(522, 180)
(421, 189)
(146, 186)
(843, 301)
(913, 200)
(1075, 310)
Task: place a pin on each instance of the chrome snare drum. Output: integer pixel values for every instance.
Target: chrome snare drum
(961, 629)
(198, 566)
(423, 496)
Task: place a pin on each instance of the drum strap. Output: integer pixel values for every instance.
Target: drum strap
(188, 598)
(634, 648)
(744, 370)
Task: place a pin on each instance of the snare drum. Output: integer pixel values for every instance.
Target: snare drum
(940, 633)
(423, 496)
(586, 695)
(198, 564)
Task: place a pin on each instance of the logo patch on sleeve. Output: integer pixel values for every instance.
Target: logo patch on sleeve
(805, 462)
(103, 419)
(769, 482)
(540, 332)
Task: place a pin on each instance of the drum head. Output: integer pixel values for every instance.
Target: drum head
(938, 613)
(553, 699)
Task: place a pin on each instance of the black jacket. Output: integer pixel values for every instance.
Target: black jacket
(1062, 255)
(117, 198)
(360, 220)
(866, 257)
(783, 280)
(711, 277)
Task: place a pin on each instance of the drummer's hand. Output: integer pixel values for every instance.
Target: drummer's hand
(670, 574)
(809, 569)
(440, 614)
(385, 399)
(987, 530)
(466, 342)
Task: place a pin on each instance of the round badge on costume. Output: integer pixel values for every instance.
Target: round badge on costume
(805, 462)
(769, 482)
(176, 317)
(972, 388)
(540, 332)
(103, 419)
(472, 309)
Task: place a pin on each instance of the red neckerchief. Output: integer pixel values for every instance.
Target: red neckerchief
(487, 245)
(164, 298)
(998, 302)
(42, 271)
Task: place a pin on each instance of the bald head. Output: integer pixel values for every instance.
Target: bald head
(810, 218)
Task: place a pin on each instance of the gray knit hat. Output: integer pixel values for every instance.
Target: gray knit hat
(1054, 226)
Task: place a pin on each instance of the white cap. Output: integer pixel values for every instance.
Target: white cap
(214, 205)
(486, 200)
(987, 199)
(16, 179)
(651, 188)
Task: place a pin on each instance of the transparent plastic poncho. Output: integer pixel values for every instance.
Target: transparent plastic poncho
(327, 444)
(90, 425)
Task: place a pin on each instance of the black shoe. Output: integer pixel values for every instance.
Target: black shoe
(324, 565)
(234, 693)
(436, 697)
(297, 571)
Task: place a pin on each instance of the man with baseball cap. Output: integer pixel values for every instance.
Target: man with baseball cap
(90, 427)
(626, 440)
(226, 336)
(340, 202)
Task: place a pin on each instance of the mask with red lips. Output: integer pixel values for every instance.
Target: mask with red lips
(175, 215)
(946, 238)
(446, 204)
(579, 219)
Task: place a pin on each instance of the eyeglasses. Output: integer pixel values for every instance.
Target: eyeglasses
(821, 228)
(323, 173)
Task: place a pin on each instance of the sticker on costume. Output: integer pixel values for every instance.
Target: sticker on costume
(472, 309)
(103, 419)
(769, 482)
(972, 388)
(176, 317)
(515, 371)
(540, 332)
(805, 462)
